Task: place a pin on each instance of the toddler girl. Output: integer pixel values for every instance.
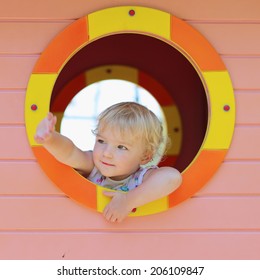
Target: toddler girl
(128, 137)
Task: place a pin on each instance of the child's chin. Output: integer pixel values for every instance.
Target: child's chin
(108, 174)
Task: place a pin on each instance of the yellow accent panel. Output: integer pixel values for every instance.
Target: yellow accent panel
(118, 19)
(39, 93)
(112, 72)
(102, 200)
(221, 122)
(153, 207)
(174, 128)
(150, 208)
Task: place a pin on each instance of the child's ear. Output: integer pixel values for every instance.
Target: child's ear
(146, 158)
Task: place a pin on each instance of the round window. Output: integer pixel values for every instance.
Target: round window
(152, 49)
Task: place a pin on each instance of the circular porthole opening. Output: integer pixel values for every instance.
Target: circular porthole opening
(169, 68)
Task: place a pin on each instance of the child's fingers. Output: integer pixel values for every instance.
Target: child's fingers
(45, 128)
(49, 116)
(51, 121)
(54, 120)
(38, 139)
(107, 213)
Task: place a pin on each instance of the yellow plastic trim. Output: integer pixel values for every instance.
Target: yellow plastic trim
(221, 122)
(38, 94)
(145, 20)
(150, 208)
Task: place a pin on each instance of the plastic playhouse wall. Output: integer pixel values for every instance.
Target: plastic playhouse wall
(220, 221)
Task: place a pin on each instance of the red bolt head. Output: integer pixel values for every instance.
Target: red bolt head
(34, 107)
(226, 108)
(131, 12)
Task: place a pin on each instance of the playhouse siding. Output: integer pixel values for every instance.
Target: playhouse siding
(220, 222)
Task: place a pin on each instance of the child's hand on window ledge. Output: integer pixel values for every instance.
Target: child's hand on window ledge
(118, 208)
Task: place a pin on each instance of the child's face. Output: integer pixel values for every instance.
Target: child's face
(118, 156)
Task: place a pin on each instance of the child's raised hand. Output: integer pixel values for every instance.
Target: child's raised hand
(45, 129)
(118, 208)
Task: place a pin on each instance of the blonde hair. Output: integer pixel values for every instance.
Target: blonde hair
(136, 119)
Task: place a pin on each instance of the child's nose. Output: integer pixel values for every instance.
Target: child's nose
(108, 152)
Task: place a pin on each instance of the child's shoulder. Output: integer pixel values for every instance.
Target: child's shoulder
(145, 171)
(164, 171)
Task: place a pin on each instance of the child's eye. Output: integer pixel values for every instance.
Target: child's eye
(100, 141)
(121, 147)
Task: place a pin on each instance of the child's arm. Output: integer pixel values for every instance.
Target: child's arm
(156, 184)
(61, 147)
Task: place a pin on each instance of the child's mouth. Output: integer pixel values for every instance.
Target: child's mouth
(108, 164)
